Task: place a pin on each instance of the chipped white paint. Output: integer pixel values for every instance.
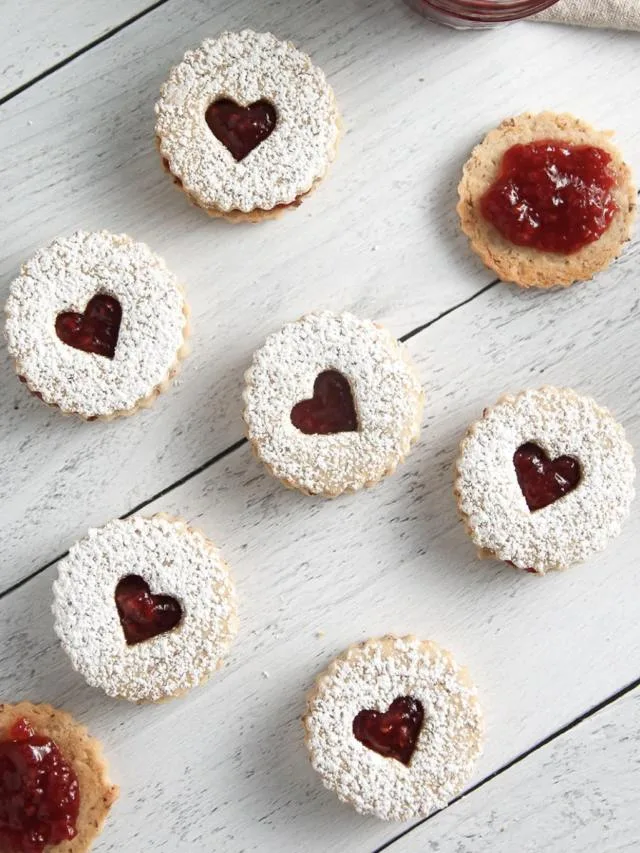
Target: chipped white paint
(225, 767)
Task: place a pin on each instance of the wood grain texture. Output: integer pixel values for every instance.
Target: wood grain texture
(380, 237)
(226, 766)
(579, 792)
(51, 30)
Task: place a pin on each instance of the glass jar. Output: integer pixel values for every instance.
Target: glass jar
(472, 14)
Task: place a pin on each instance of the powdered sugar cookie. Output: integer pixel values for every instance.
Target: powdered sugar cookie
(145, 608)
(546, 200)
(55, 792)
(544, 479)
(393, 727)
(96, 325)
(332, 404)
(246, 125)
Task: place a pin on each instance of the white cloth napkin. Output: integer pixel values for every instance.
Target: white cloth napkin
(618, 14)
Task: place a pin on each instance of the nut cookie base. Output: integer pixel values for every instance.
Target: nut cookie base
(258, 214)
(530, 267)
(84, 753)
(387, 643)
(409, 438)
(230, 625)
(486, 553)
(143, 403)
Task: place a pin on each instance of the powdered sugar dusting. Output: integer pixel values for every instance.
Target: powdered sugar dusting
(64, 277)
(387, 394)
(247, 67)
(370, 677)
(174, 560)
(570, 530)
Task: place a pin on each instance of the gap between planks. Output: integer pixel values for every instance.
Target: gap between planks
(235, 446)
(80, 52)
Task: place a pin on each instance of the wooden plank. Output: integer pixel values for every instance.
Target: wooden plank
(227, 763)
(52, 30)
(578, 792)
(380, 238)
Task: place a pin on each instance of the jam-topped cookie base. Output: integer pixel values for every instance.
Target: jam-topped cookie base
(39, 792)
(552, 196)
(546, 200)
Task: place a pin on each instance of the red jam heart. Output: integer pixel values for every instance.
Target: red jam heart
(542, 480)
(143, 615)
(96, 330)
(392, 733)
(39, 792)
(241, 129)
(552, 196)
(331, 408)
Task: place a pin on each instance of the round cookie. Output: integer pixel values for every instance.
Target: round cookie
(96, 325)
(145, 608)
(81, 753)
(393, 727)
(247, 125)
(524, 265)
(545, 479)
(332, 404)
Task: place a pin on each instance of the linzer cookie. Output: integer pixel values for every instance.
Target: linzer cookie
(55, 793)
(145, 608)
(247, 125)
(545, 479)
(546, 200)
(96, 325)
(394, 727)
(332, 404)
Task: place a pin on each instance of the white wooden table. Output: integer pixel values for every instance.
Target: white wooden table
(556, 659)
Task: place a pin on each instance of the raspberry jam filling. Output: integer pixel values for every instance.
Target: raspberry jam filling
(543, 481)
(552, 196)
(39, 792)
(241, 129)
(143, 615)
(330, 410)
(96, 330)
(394, 732)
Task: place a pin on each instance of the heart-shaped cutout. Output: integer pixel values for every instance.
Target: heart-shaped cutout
(543, 481)
(142, 614)
(241, 129)
(392, 733)
(95, 331)
(330, 410)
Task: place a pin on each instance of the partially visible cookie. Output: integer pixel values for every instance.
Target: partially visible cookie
(96, 325)
(544, 479)
(145, 608)
(546, 200)
(394, 727)
(55, 793)
(247, 126)
(332, 403)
